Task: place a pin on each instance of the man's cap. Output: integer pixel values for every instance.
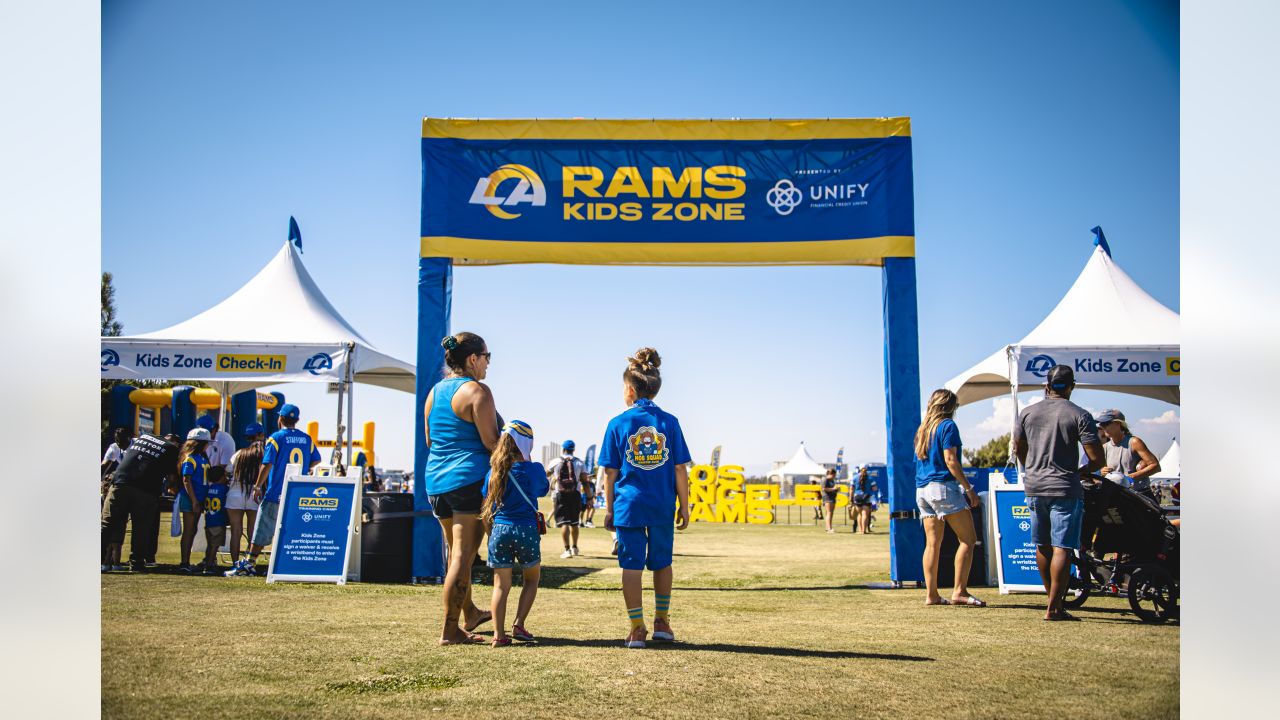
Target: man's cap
(253, 429)
(1107, 416)
(289, 410)
(567, 445)
(198, 434)
(1061, 377)
(206, 421)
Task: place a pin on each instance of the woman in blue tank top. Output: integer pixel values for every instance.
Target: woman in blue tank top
(462, 428)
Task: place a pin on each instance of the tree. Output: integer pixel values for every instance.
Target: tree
(110, 326)
(993, 454)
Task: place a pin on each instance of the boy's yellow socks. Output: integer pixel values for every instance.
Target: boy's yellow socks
(636, 615)
(663, 603)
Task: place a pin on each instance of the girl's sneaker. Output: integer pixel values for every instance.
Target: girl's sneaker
(501, 641)
(635, 639)
(518, 632)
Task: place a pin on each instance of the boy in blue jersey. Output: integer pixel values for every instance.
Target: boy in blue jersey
(215, 521)
(287, 446)
(644, 457)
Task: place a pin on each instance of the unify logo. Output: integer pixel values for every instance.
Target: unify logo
(110, 358)
(784, 197)
(1040, 365)
(528, 189)
(318, 363)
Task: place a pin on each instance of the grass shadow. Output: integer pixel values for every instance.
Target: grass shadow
(553, 576)
(797, 588)
(740, 649)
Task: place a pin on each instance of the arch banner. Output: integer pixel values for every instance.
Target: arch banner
(667, 192)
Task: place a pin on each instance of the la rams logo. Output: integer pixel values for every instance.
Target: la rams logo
(1040, 365)
(647, 449)
(528, 189)
(318, 363)
(110, 358)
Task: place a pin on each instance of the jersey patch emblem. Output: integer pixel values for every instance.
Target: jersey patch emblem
(647, 449)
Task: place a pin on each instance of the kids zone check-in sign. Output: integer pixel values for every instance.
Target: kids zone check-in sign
(678, 192)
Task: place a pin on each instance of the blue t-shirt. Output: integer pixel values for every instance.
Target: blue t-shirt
(644, 444)
(194, 467)
(289, 446)
(514, 509)
(934, 467)
(215, 505)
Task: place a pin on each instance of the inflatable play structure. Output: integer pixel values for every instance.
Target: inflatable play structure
(175, 409)
(362, 452)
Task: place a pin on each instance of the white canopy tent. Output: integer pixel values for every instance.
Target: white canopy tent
(1170, 464)
(278, 327)
(1114, 335)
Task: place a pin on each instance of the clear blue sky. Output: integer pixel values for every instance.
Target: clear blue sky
(1031, 124)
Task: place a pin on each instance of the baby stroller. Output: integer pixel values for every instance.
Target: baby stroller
(1143, 548)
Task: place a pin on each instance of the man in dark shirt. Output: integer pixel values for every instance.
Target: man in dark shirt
(1046, 439)
(135, 488)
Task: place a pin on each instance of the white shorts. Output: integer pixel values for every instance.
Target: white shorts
(239, 500)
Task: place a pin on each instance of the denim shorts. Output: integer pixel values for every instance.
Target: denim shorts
(266, 527)
(646, 547)
(938, 499)
(514, 546)
(1056, 521)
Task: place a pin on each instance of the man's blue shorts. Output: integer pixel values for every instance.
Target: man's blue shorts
(1056, 521)
(645, 547)
(514, 546)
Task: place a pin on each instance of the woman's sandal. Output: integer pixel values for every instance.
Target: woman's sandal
(501, 641)
(941, 601)
(969, 600)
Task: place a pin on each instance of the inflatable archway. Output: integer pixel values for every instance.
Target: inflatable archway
(676, 192)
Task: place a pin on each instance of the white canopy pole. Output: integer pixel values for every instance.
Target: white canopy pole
(349, 376)
(1013, 389)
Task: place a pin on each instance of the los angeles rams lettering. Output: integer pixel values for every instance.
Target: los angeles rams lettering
(647, 449)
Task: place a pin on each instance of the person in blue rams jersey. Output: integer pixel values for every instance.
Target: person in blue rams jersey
(191, 467)
(287, 446)
(215, 520)
(645, 456)
(462, 426)
(510, 491)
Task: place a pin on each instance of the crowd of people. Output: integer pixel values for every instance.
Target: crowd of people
(233, 493)
(481, 480)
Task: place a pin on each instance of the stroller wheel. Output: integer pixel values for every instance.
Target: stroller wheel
(1080, 584)
(1153, 594)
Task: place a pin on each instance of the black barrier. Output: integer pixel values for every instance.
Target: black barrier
(947, 558)
(386, 544)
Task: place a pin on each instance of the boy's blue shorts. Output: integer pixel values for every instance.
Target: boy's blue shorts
(645, 547)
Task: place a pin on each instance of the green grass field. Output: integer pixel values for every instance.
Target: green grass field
(773, 621)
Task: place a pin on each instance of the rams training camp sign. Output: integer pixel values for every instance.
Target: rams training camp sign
(667, 192)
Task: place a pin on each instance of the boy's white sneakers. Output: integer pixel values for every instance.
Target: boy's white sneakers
(567, 553)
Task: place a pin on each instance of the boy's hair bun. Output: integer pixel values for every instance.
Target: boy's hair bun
(645, 360)
(642, 372)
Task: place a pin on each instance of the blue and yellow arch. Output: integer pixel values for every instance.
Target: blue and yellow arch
(675, 192)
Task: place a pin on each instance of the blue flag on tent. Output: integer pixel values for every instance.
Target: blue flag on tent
(1100, 240)
(839, 461)
(295, 235)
